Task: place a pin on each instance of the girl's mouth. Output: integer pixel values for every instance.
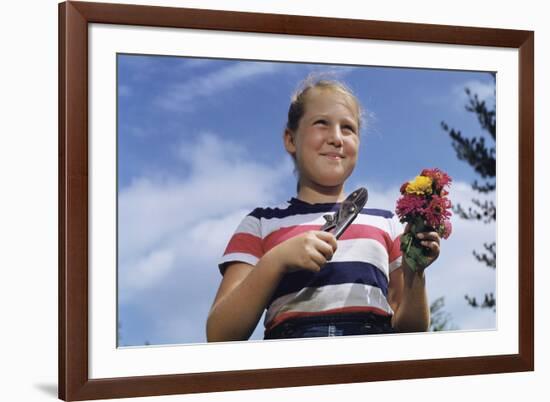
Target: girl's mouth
(333, 156)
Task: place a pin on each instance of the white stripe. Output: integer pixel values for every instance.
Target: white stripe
(373, 220)
(327, 298)
(363, 250)
(239, 257)
(396, 264)
(250, 225)
(271, 225)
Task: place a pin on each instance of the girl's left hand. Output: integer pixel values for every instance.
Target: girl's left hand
(431, 241)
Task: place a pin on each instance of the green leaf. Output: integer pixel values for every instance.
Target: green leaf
(414, 253)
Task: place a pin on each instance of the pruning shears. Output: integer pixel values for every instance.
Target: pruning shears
(350, 208)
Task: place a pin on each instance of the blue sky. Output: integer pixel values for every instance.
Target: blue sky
(200, 145)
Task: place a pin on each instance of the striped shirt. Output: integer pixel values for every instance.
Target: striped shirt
(355, 280)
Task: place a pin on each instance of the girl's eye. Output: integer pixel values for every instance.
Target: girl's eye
(349, 128)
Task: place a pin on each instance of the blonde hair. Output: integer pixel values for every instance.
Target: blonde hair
(300, 97)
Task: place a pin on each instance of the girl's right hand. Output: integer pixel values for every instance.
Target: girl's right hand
(310, 250)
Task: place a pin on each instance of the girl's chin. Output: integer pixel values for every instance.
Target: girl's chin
(333, 179)
(329, 178)
(331, 182)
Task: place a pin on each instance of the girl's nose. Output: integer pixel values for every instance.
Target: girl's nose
(335, 136)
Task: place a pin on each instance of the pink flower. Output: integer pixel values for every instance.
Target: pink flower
(437, 211)
(409, 205)
(447, 229)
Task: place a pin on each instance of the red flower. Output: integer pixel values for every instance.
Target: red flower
(440, 178)
(410, 205)
(438, 211)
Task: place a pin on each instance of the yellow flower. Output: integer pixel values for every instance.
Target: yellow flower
(421, 185)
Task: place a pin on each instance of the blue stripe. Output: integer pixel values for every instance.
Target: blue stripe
(378, 212)
(298, 209)
(333, 273)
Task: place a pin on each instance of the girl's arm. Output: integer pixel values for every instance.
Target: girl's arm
(408, 298)
(240, 301)
(407, 291)
(245, 290)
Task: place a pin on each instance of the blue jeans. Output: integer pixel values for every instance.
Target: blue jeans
(333, 325)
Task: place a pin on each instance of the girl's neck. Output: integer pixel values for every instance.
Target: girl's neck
(316, 195)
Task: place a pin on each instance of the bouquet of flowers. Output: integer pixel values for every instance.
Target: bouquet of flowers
(425, 206)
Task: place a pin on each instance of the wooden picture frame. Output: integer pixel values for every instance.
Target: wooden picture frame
(74, 379)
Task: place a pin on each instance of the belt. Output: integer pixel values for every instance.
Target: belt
(379, 323)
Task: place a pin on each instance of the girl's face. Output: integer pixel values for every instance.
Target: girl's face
(326, 143)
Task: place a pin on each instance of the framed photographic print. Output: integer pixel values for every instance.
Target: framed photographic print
(171, 127)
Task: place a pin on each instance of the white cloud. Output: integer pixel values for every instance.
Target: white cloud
(149, 268)
(222, 178)
(212, 234)
(207, 149)
(182, 97)
(172, 231)
(382, 198)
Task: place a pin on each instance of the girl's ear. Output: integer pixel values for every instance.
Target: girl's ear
(288, 139)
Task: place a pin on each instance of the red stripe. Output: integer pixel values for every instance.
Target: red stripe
(355, 231)
(245, 243)
(395, 251)
(283, 234)
(295, 314)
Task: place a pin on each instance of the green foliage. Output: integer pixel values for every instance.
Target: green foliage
(489, 301)
(414, 253)
(480, 153)
(440, 320)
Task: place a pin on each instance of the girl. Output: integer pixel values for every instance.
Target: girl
(310, 284)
